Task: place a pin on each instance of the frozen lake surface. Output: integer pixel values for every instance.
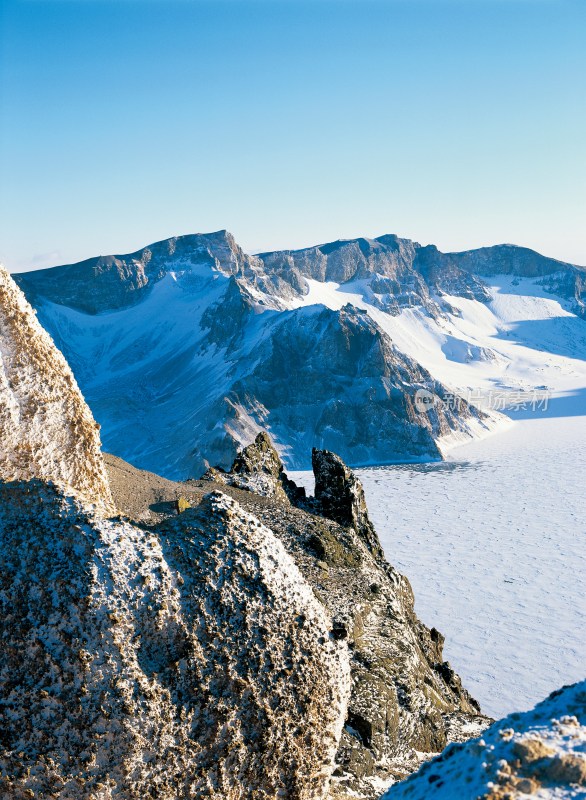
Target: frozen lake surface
(494, 544)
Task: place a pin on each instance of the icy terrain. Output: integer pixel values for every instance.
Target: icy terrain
(493, 541)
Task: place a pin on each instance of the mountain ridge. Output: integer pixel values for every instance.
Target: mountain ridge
(142, 268)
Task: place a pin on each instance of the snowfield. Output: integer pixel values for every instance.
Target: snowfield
(493, 542)
(522, 339)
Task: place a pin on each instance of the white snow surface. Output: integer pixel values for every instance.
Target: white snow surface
(541, 753)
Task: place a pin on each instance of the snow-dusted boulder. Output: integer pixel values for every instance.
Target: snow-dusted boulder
(47, 430)
(192, 661)
(540, 753)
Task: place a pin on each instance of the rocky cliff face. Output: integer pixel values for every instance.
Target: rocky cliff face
(394, 273)
(333, 380)
(46, 428)
(398, 273)
(106, 283)
(540, 753)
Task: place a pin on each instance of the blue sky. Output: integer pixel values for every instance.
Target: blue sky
(457, 122)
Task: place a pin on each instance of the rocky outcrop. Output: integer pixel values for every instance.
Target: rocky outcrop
(405, 699)
(540, 753)
(394, 272)
(46, 429)
(189, 661)
(333, 380)
(339, 496)
(398, 273)
(258, 468)
(105, 283)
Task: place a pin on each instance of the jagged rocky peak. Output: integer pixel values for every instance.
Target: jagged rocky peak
(339, 496)
(538, 753)
(345, 259)
(226, 319)
(46, 429)
(191, 659)
(258, 468)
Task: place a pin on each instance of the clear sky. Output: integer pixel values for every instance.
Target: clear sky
(457, 122)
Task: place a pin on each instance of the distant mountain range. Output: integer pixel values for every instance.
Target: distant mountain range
(187, 348)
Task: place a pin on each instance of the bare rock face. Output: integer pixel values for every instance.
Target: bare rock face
(539, 753)
(46, 429)
(112, 282)
(333, 380)
(189, 661)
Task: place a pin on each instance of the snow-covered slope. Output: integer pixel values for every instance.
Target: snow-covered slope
(539, 754)
(186, 349)
(46, 429)
(521, 340)
(180, 380)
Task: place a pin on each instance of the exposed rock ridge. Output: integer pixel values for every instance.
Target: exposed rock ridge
(192, 661)
(402, 273)
(405, 700)
(258, 468)
(47, 430)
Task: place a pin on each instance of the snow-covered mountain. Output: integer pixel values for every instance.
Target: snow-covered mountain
(187, 348)
(539, 754)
